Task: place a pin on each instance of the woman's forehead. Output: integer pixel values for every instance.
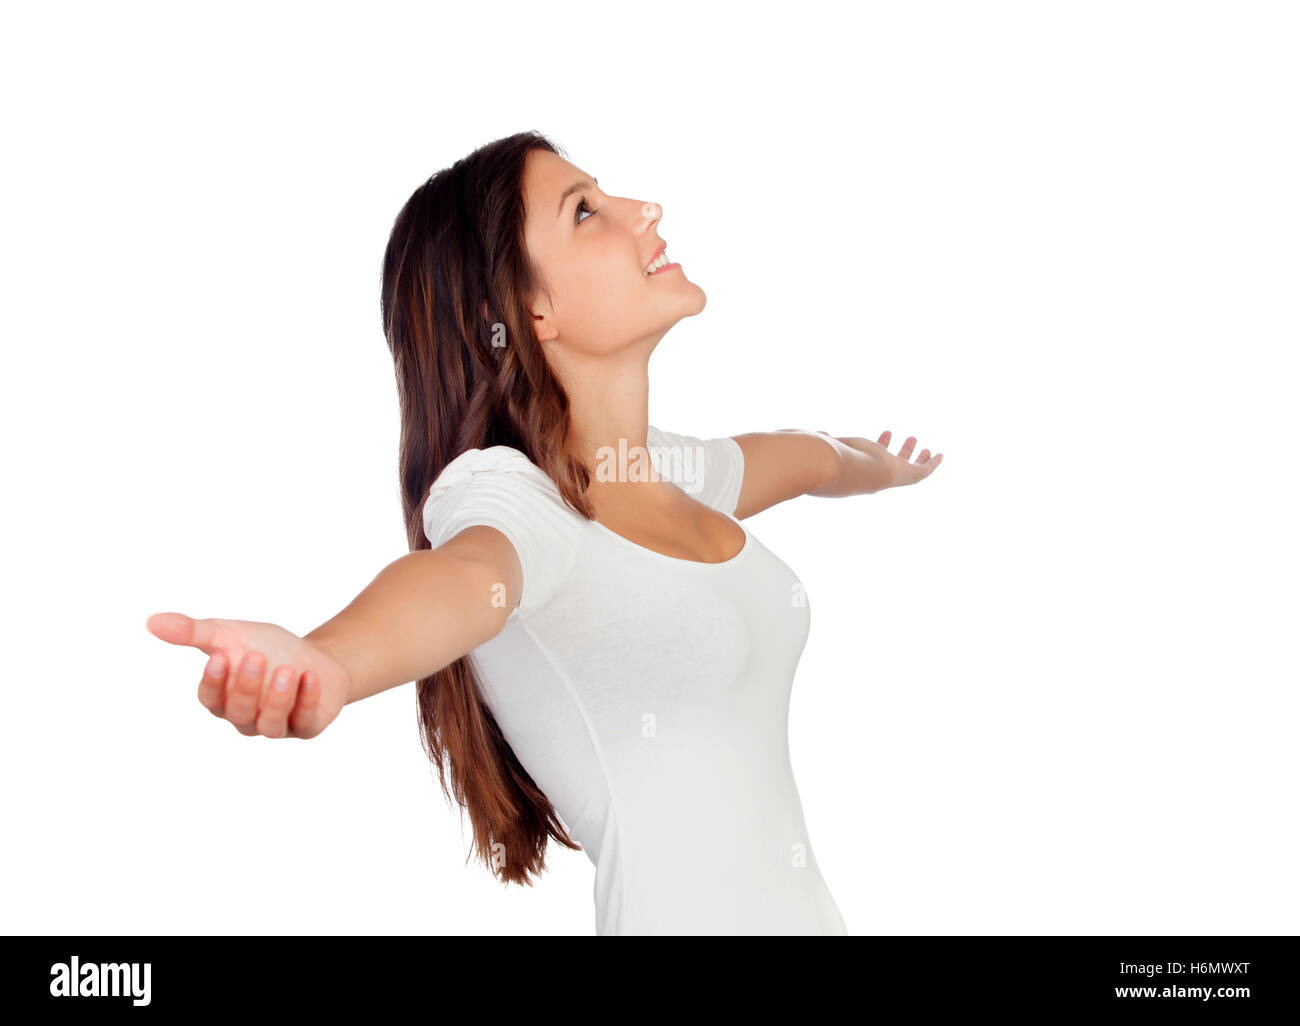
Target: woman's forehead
(545, 167)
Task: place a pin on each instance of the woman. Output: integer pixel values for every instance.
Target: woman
(603, 652)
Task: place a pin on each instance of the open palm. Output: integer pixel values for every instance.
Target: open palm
(905, 472)
(262, 678)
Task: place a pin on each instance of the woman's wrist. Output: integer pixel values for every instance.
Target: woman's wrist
(336, 649)
(865, 467)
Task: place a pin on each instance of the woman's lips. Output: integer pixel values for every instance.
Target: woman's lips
(654, 256)
(661, 251)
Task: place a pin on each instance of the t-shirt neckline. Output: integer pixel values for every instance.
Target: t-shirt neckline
(678, 559)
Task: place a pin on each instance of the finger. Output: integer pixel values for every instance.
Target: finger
(212, 688)
(905, 453)
(179, 629)
(923, 456)
(273, 719)
(302, 721)
(244, 692)
(883, 439)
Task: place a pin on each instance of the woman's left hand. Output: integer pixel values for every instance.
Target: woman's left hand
(902, 470)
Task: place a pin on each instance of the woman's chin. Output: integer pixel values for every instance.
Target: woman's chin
(691, 302)
(703, 300)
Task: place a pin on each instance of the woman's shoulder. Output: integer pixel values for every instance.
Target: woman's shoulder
(709, 469)
(499, 477)
(500, 487)
(493, 462)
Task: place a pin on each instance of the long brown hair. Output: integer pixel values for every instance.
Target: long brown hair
(455, 279)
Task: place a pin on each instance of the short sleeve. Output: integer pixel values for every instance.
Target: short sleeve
(709, 470)
(500, 487)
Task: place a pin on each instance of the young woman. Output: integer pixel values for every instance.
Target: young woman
(604, 653)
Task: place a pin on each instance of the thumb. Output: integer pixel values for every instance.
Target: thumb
(179, 629)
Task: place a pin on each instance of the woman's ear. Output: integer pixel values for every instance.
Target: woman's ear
(541, 324)
(539, 306)
(543, 328)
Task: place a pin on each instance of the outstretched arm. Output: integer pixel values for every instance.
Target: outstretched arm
(780, 465)
(424, 611)
(421, 613)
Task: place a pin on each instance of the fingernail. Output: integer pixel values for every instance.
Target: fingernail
(252, 666)
(214, 667)
(282, 681)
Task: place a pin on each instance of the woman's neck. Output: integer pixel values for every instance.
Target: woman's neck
(609, 414)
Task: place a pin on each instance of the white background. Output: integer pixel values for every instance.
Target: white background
(1050, 690)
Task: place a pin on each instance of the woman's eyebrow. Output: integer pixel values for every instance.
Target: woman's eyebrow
(575, 187)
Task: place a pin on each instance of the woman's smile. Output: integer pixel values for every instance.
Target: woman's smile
(659, 264)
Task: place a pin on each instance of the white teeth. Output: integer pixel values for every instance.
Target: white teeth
(656, 263)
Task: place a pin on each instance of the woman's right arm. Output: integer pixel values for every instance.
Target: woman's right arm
(424, 611)
(421, 613)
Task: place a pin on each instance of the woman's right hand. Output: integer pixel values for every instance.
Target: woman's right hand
(247, 666)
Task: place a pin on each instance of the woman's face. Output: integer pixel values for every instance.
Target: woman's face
(592, 250)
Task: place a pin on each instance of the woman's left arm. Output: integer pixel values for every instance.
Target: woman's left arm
(780, 465)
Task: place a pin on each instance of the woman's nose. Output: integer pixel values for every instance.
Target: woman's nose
(650, 214)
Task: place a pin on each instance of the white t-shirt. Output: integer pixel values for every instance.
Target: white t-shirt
(648, 696)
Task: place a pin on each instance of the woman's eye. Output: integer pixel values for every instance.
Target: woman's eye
(582, 205)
